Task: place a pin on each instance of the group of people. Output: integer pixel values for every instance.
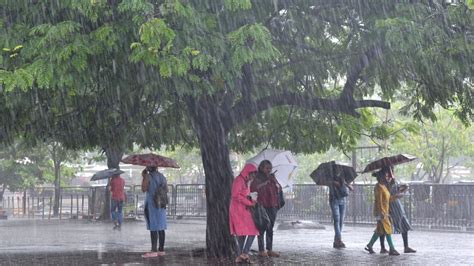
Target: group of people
(261, 182)
(389, 212)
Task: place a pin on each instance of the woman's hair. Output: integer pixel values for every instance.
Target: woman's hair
(151, 168)
(380, 175)
(263, 164)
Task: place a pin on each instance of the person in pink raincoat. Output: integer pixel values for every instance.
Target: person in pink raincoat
(242, 226)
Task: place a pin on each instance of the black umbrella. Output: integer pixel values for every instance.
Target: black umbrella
(388, 161)
(326, 172)
(104, 174)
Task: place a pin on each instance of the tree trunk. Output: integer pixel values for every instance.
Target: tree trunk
(4, 187)
(219, 178)
(57, 187)
(114, 155)
(218, 171)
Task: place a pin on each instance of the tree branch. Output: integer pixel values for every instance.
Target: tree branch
(242, 111)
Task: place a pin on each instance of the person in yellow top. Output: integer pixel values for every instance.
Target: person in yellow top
(381, 210)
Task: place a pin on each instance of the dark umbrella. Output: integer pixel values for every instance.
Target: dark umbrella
(388, 161)
(104, 174)
(327, 172)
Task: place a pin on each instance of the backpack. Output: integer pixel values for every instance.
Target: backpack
(160, 197)
(341, 192)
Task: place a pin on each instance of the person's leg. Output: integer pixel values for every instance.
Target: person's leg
(336, 219)
(119, 212)
(261, 244)
(248, 244)
(382, 245)
(369, 248)
(154, 240)
(239, 242)
(392, 251)
(272, 214)
(342, 212)
(161, 236)
(405, 239)
(245, 250)
(113, 207)
(405, 243)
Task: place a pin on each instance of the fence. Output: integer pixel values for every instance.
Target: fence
(432, 206)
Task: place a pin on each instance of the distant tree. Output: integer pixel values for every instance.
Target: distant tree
(78, 87)
(436, 144)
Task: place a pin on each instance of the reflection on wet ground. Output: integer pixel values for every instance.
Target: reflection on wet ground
(81, 242)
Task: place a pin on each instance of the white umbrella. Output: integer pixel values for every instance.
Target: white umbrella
(283, 162)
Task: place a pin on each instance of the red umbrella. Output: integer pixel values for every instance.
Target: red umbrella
(150, 159)
(388, 161)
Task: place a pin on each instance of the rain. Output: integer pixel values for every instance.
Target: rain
(93, 90)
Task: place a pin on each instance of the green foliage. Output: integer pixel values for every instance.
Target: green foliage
(470, 4)
(251, 43)
(234, 5)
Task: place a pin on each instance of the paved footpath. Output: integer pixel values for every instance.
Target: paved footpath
(90, 243)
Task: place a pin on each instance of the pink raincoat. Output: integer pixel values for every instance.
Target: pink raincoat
(240, 219)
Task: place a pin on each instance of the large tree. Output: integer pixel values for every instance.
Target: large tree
(293, 74)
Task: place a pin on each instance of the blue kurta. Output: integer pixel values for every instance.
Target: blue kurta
(157, 216)
(397, 212)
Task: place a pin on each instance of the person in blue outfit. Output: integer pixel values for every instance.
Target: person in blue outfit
(155, 216)
(338, 191)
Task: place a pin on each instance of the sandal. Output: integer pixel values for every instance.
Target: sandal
(239, 259)
(150, 255)
(272, 253)
(383, 251)
(369, 249)
(393, 252)
(409, 250)
(246, 259)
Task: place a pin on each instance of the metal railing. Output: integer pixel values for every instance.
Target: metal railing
(434, 206)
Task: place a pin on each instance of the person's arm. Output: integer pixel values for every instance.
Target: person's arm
(378, 202)
(124, 192)
(349, 186)
(239, 189)
(397, 194)
(145, 181)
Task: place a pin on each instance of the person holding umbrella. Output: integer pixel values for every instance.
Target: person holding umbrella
(155, 216)
(241, 223)
(337, 201)
(267, 187)
(117, 185)
(338, 177)
(397, 214)
(381, 211)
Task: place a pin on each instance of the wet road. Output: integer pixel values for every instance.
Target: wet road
(82, 242)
